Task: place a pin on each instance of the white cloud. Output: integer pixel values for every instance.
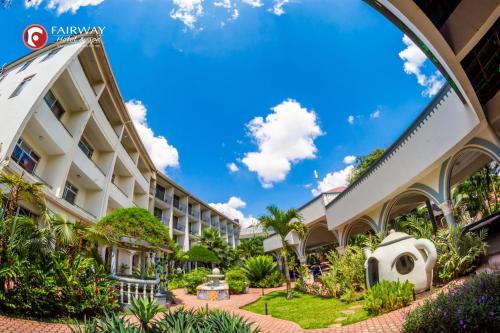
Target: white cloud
(63, 6)
(253, 3)
(278, 7)
(414, 60)
(187, 11)
(333, 179)
(233, 167)
(231, 209)
(284, 137)
(375, 114)
(161, 152)
(350, 119)
(349, 159)
(223, 3)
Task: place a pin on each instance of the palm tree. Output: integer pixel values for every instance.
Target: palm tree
(21, 190)
(284, 222)
(210, 238)
(75, 236)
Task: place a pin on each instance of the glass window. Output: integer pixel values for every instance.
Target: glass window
(25, 156)
(176, 201)
(70, 192)
(158, 213)
(160, 192)
(54, 104)
(21, 87)
(51, 54)
(25, 65)
(86, 147)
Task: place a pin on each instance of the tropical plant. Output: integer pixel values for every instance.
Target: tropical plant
(194, 278)
(349, 267)
(237, 281)
(251, 247)
(272, 280)
(200, 253)
(257, 268)
(415, 224)
(180, 320)
(145, 311)
(459, 251)
(363, 163)
(211, 239)
(21, 190)
(387, 296)
(282, 223)
(471, 307)
(137, 223)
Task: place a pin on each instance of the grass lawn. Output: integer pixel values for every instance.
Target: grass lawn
(309, 311)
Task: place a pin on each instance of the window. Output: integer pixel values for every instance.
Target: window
(51, 54)
(160, 192)
(158, 213)
(86, 148)
(21, 86)
(25, 156)
(70, 192)
(176, 201)
(54, 104)
(25, 65)
(404, 264)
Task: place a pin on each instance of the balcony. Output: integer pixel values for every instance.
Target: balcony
(193, 231)
(194, 213)
(90, 169)
(132, 168)
(205, 220)
(118, 196)
(104, 125)
(179, 226)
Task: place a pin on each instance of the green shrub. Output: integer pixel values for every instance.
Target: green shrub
(471, 307)
(137, 223)
(200, 253)
(387, 296)
(179, 320)
(237, 281)
(272, 280)
(194, 278)
(257, 268)
(175, 281)
(348, 268)
(459, 252)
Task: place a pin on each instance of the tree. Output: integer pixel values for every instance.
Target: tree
(284, 222)
(363, 163)
(210, 238)
(201, 254)
(251, 247)
(137, 223)
(76, 237)
(21, 190)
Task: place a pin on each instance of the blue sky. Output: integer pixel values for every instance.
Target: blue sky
(271, 89)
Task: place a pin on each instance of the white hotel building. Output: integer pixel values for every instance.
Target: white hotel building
(64, 123)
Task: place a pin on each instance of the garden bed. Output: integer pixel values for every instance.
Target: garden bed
(310, 311)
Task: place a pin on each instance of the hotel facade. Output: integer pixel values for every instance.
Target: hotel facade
(64, 123)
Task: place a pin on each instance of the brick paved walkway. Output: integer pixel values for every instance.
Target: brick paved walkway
(390, 322)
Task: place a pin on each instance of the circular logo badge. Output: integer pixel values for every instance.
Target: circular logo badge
(35, 36)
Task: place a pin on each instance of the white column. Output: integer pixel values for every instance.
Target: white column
(114, 258)
(446, 208)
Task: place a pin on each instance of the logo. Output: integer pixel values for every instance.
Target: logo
(35, 36)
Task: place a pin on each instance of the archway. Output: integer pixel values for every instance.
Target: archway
(318, 241)
(360, 226)
(416, 202)
(471, 182)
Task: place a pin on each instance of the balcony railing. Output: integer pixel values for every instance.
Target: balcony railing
(205, 219)
(119, 189)
(179, 226)
(193, 232)
(182, 208)
(194, 213)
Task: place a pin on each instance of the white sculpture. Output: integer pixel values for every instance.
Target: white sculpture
(401, 256)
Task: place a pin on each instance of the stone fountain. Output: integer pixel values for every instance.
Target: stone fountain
(214, 290)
